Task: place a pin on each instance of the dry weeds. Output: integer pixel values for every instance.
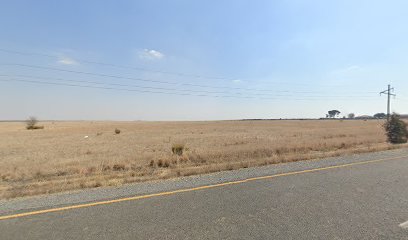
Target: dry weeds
(60, 158)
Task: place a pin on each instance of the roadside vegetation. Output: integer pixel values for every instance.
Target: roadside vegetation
(396, 130)
(73, 155)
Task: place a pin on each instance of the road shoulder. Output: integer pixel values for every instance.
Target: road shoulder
(136, 189)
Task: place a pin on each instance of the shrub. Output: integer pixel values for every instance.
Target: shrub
(396, 130)
(177, 149)
(117, 131)
(31, 124)
(118, 167)
(97, 184)
(166, 164)
(161, 163)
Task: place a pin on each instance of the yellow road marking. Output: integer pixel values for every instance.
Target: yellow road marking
(189, 189)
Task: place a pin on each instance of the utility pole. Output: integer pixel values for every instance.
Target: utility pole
(389, 94)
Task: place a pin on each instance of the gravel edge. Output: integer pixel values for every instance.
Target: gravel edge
(134, 189)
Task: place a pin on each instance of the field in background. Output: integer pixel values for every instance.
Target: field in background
(60, 157)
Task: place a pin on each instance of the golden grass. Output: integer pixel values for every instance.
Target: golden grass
(59, 157)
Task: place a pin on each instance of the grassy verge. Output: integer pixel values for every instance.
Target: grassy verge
(73, 155)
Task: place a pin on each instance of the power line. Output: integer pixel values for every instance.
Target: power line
(161, 88)
(402, 99)
(145, 69)
(132, 78)
(155, 92)
(121, 66)
(138, 86)
(113, 84)
(151, 80)
(122, 89)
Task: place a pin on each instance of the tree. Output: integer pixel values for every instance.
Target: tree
(333, 113)
(380, 115)
(31, 124)
(396, 130)
(351, 115)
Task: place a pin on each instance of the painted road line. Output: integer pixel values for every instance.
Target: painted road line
(190, 189)
(404, 225)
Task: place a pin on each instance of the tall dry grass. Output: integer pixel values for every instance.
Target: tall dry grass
(59, 157)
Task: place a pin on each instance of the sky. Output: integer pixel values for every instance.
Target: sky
(201, 60)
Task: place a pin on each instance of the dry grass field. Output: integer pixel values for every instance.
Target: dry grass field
(60, 157)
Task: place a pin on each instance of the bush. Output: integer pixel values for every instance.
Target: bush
(396, 130)
(117, 131)
(31, 124)
(118, 167)
(177, 149)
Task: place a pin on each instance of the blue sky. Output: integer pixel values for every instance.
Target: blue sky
(265, 59)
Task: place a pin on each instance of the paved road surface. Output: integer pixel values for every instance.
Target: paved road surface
(361, 199)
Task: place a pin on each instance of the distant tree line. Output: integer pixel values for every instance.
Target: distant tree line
(336, 114)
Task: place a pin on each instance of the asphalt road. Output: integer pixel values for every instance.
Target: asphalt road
(361, 199)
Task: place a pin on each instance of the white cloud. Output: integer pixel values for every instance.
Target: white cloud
(150, 54)
(67, 61)
(236, 81)
(351, 68)
(346, 70)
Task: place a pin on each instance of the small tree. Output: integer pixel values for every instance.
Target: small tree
(380, 115)
(351, 115)
(31, 123)
(333, 113)
(177, 149)
(396, 130)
